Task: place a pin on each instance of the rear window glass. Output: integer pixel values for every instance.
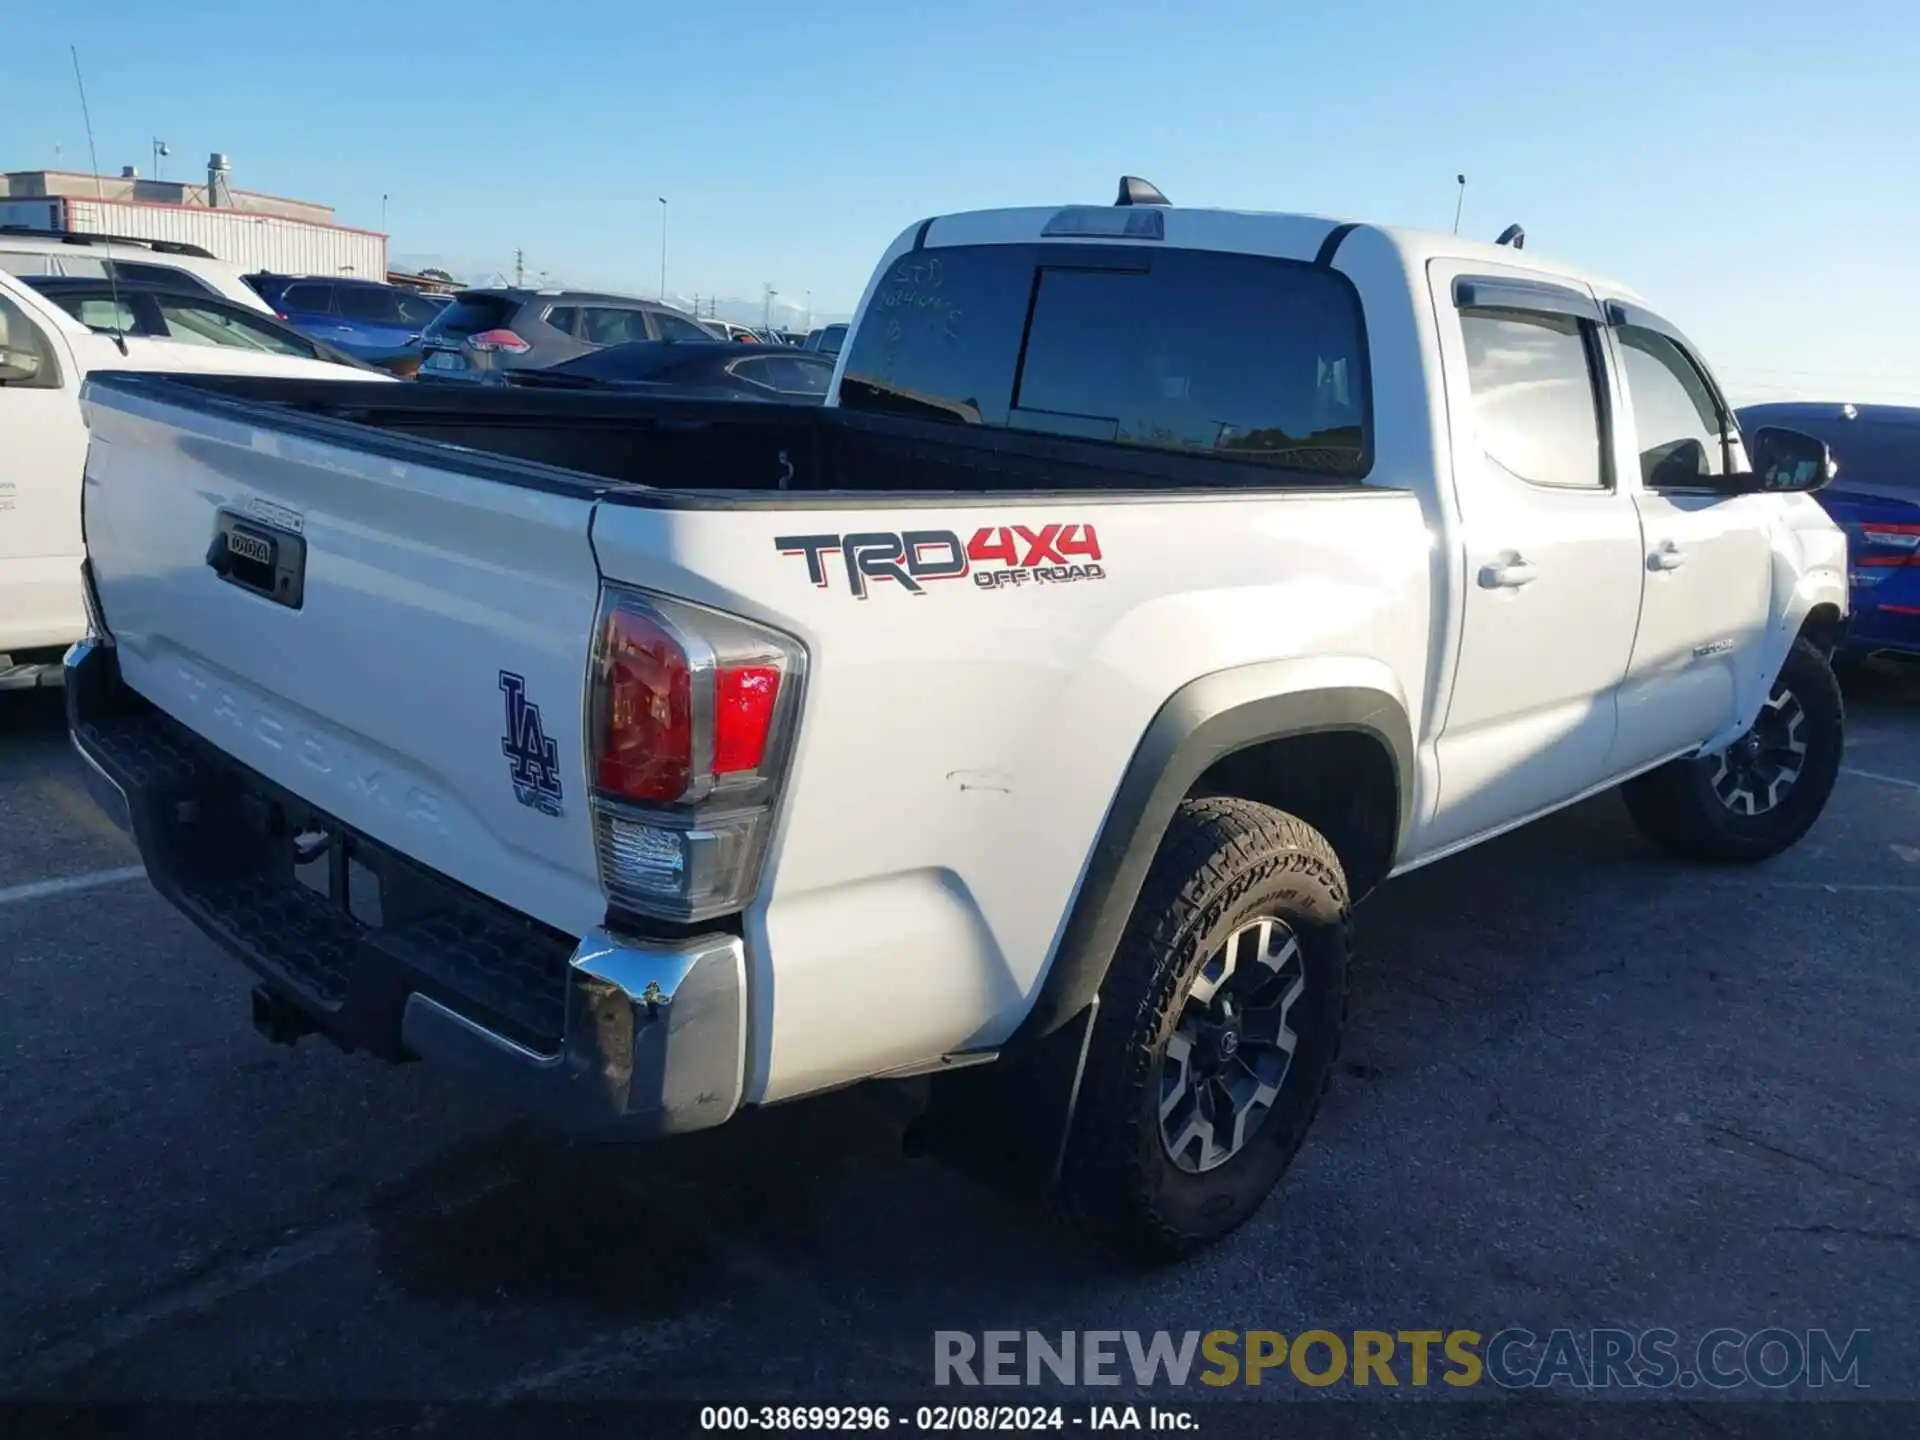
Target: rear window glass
(1232, 356)
(471, 314)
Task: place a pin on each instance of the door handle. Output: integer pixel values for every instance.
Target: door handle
(1668, 557)
(1507, 575)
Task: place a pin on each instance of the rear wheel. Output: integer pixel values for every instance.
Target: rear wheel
(1218, 1028)
(1763, 792)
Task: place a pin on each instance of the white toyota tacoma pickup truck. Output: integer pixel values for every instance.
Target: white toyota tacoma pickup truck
(1157, 583)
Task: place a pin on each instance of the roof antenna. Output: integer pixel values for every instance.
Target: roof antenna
(113, 276)
(1135, 191)
(1462, 200)
(1513, 235)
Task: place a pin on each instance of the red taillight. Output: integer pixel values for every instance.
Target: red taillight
(505, 342)
(281, 313)
(743, 701)
(693, 715)
(646, 748)
(675, 724)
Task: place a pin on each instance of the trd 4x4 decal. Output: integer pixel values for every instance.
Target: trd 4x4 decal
(996, 557)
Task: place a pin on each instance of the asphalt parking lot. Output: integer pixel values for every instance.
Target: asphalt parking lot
(1584, 1086)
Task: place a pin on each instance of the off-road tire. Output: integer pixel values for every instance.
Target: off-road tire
(1676, 807)
(1223, 863)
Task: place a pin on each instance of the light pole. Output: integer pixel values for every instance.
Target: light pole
(383, 212)
(1459, 200)
(663, 249)
(808, 327)
(766, 318)
(160, 152)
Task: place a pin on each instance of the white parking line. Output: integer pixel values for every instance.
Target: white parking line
(67, 884)
(1883, 779)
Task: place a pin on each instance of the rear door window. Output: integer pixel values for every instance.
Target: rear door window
(1535, 404)
(307, 300)
(673, 327)
(612, 325)
(104, 313)
(797, 375)
(194, 322)
(1230, 356)
(374, 307)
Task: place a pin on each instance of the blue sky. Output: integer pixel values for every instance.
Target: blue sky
(1749, 167)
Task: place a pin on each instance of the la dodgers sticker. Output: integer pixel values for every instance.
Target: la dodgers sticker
(535, 759)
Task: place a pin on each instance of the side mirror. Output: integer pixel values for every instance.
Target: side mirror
(18, 365)
(1788, 460)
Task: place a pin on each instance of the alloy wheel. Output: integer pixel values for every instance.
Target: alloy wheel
(1753, 775)
(1232, 1046)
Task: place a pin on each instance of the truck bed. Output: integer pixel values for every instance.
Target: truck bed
(648, 450)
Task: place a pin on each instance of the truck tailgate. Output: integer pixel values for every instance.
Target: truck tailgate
(398, 642)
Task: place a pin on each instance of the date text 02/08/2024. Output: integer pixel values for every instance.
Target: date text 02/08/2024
(997, 556)
(938, 1419)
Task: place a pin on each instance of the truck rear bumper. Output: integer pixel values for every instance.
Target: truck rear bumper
(612, 1033)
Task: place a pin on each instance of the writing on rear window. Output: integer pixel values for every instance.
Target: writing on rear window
(1185, 352)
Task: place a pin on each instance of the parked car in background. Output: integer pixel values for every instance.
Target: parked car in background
(51, 336)
(734, 331)
(486, 331)
(27, 253)
(713, 369)
(169, 311)
(828, 339)
(1875, 498)
(380, 324)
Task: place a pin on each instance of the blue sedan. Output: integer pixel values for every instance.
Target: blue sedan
(1875, 498)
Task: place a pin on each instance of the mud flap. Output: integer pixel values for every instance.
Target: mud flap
(1005, 1125)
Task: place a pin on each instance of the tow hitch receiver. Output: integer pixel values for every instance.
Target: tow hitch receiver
(278, 1021)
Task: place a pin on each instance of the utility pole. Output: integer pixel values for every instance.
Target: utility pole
(1460, 201)
(519, 268)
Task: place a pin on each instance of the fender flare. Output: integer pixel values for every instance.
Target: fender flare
(1818, 587)
(1204, 721)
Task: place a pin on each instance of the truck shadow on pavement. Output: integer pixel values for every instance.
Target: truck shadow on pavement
(1487, 954)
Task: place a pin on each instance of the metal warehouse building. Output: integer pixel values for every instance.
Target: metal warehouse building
(249, 231)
